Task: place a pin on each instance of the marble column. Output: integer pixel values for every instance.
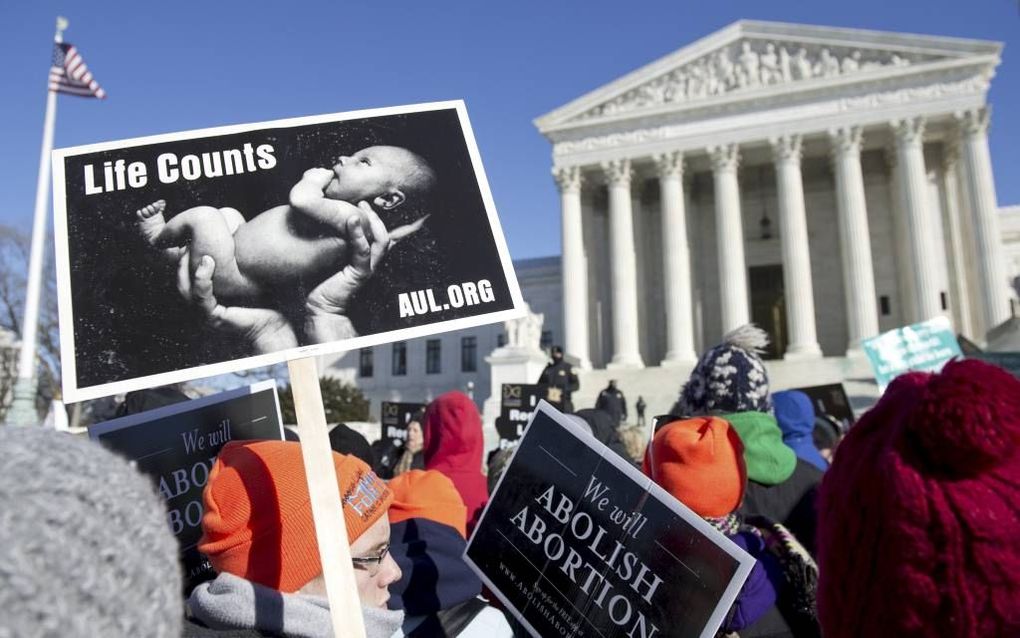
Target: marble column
(623, 264)
(854, 238)
(903, 257)
(914, 182)
(729, 232)
(676, 262)
(954, 238)
(574, 270)
(800, 296)
(977, 171)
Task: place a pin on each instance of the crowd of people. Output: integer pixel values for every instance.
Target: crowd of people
(909, 525)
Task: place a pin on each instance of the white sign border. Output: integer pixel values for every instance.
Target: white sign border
(72, 393)
(131, 420)
(745, 560)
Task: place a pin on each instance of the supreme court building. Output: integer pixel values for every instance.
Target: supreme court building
(828, 184)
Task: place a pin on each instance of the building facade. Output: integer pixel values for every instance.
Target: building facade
(1009, 220)
(826, 183)
(420, 369)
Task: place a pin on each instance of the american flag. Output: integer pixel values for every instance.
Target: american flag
(70, 75)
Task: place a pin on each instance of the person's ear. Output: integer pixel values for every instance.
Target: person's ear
(390, 199)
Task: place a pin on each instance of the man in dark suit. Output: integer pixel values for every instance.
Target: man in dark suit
(612, 401)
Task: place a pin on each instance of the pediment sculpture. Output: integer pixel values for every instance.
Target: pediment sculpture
(751, 64)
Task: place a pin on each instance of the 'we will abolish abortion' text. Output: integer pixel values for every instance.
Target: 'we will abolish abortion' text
(626, 590)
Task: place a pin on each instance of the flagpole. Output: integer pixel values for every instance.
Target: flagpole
(22, 411)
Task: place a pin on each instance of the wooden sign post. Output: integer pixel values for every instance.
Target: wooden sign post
(327, 510)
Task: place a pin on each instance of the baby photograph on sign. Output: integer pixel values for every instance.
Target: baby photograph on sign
(191, 254)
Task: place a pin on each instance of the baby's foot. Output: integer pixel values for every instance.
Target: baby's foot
(151, 221)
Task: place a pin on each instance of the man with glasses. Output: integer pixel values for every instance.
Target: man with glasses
(259, 537)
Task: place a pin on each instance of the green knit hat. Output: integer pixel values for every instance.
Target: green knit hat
(769, 461)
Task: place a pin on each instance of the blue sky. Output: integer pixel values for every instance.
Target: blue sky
(180, 65)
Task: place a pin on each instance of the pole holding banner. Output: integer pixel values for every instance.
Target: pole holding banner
(327, 509)
(22, 411)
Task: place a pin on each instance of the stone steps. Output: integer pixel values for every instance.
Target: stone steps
(660, 386)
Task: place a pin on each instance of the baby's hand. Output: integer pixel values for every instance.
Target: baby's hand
(310, 192)
(318, 176)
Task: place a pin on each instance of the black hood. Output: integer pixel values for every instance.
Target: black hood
(604, 429)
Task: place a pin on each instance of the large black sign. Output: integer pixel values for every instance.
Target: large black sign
(1009, 361)
(832, 400)
(176, 445)
(282, 223)
(579, 543)
(395, 418)
(517, 403)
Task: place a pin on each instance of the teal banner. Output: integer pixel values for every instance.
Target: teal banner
(922, 347)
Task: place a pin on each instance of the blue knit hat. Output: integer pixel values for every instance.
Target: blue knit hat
(729, 377)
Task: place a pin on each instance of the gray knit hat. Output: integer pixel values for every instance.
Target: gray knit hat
(730, 377)
(85, 549)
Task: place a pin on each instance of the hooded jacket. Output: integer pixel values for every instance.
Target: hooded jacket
(605, 429)
(769, 460)
(796, 417)
(437, 590)
(453, 445)
(780, 486)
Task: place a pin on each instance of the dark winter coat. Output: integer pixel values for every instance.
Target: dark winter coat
(437, 590)
(561, 375)
(433, 575)
(605, 429)
(612, 401)
(792, 502)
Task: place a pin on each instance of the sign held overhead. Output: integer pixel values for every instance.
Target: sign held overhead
(191, 254)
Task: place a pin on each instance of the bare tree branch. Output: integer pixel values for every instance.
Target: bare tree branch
(14, 253)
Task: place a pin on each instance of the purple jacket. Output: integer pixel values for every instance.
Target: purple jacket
(757, 595)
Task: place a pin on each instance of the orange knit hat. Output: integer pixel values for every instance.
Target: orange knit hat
(258, 519)
(428, 494)
(700, 461)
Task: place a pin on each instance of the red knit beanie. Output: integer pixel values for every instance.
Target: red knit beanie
(919, 520)
(427, 494)
(699, 461)
(258, 517)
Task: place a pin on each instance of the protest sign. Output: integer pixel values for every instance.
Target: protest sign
(924, 347)
(280, 207)
(395, 418)
(177, 444)
(832, 400)
(517, 403)
(579, 543)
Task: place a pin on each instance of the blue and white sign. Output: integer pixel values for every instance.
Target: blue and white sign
(922, 347)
